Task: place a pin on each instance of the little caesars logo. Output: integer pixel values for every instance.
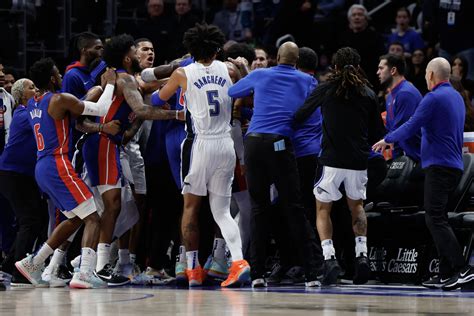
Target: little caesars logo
(405, 262)
(434, 266)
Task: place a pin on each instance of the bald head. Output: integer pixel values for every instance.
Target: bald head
(288, 54)
(438, 70)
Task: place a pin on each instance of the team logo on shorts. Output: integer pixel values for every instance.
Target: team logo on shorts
(321, 190)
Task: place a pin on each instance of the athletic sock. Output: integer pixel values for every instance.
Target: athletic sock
(361, 246)
(43, 254)
(58, 257)
(124, 256)
(103, 255)
(192, 259)
(88, 257)
(328, 249)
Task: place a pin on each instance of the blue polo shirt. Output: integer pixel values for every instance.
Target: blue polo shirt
(77, 80)
(278, 92)
(411, 40)
(401, 104)
(440, 115)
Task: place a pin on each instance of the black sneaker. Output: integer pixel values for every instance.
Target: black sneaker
(362, 270)
(464, 276)
(276, 275)
(107, 275)
(295, 275)
(19, 281)
(331, 271)
(64, 273)
(435, 282)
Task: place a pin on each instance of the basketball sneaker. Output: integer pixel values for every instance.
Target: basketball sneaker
(19, 281)
(32, 272)
(466, 275)
(180, 269)
(158, 277)
(435, 282)
(51, 275)
(239, 274)
(125, 270)
(331, 271)
(75, 263)
(108, 275)
(362, 270)
(218, 269)
(86, 280)
(194, 276)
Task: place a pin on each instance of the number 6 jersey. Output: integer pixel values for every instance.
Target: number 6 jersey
(207, 100)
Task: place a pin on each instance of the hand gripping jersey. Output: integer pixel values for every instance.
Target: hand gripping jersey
(54, 172)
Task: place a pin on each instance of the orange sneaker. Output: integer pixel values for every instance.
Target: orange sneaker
(195, 276)
(239, 274)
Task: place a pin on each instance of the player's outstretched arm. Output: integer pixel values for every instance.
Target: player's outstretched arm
(129, 87)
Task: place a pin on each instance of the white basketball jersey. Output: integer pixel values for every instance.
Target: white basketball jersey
(207, 99)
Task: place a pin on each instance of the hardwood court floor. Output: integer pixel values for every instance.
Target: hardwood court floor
(341, 300)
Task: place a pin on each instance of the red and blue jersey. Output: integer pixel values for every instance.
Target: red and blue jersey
(54, 172)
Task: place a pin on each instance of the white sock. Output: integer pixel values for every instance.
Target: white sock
(328, 249)
(76, 262)
(43, 254)
(124, 256)
(220, 208)
(193, 259)
(361, 246)
(182, 254)
(103, 255)
(219, 249)
(88, 257)
(58, 257)
(133, 258)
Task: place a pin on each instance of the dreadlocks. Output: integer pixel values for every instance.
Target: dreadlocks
(203, 41)
(348, 76)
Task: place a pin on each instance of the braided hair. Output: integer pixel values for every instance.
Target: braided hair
(348, 77)
(203, 41)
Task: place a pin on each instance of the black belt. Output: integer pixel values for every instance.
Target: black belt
(267, 136)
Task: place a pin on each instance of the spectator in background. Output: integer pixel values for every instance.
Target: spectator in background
(404, 34)
(7, 104)
(396, 48)
(157, 27)
(232, 22)
(10, 76)
(364, 39)
(451, 23)
(261, 59)
(460, 69)
(469, 121)
(416, 72)
(182, 20)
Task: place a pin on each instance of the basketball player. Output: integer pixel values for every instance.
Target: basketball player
(208, 156)
(50, 116)
(101, 151)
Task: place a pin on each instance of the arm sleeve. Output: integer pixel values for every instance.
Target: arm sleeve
(419, 119)
(244, 86)
(103, 104)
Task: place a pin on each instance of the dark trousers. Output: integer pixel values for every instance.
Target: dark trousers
(166, 205)
(264, 167)
(30, 210)
(440, 182)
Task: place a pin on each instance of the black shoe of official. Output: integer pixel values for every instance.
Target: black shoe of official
(435, 282)
(64, 273)
(362, 270)
(466, 275)
(276, 275)
(295, 275)
(331, 271)
(112, 279)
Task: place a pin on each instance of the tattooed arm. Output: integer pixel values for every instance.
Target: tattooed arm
(129, 87)
(131, 131)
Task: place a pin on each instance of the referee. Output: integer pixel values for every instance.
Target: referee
(278, 92)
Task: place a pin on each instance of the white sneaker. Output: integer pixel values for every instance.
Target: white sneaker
(86, 280)
(51, 275)
(75, 263)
